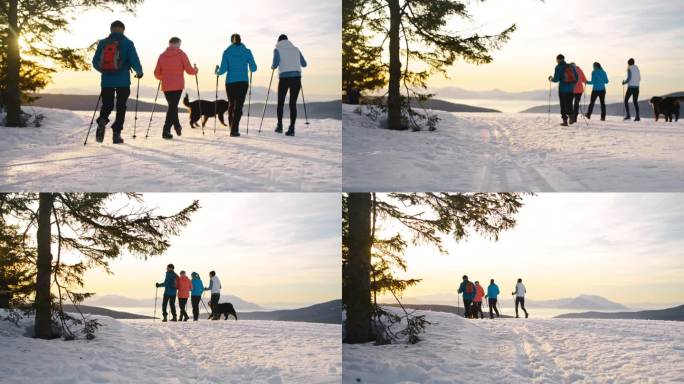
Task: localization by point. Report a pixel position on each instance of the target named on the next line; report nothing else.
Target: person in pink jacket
(477, 301)
(170, 67)
(578, 91)
(184, 286)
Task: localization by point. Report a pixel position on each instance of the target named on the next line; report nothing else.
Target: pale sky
(205, 28)
(607, 31)
(265, 248)
(626, 247)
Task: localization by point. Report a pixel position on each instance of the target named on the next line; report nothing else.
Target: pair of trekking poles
(270, 83)
(156, 295)
(581, 109)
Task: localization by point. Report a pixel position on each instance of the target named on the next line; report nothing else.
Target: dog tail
(186, 100)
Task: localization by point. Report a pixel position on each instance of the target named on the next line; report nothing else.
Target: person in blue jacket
(114, 58)
(467, 288)
(599, 79)
(196, 294)
(237, 62)
(169, 285)
(566, 77)
(492, 294)
(289, 61)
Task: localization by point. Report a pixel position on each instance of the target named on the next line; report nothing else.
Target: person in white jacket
(289, 61)
(519, 293)
(215, 288)
(633, 80)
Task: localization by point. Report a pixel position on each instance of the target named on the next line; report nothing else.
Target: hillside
(580, 302)
(123, 301)
(674, 314)
(89, 309)
(328, 312)
(440, 105)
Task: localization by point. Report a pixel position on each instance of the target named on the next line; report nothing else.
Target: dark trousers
(565, 99)
(467, 307)
(236, 100)
(214, 302)
(477, 309)
(293, 85)
(493, 308)
(181, 304)
(195, 300)
(172, 98)
(168, 299)
(108, 94)
(576, 98)
(634, 93)
(601, 95)
(521, 301)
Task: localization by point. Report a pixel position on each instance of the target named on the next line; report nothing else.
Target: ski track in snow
(493, 152)
(456, 350)
(142, 351)
(53, 157)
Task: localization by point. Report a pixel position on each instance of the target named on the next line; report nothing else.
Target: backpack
(569, 75)
(110, 60)
(470, 288)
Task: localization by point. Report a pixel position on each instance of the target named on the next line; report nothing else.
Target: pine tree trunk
(43, 311)
(359, 308)
(394, 94)
(13, 94)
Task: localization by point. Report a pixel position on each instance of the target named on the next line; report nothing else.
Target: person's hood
(237, 49)
(172, 51)
(284, 44)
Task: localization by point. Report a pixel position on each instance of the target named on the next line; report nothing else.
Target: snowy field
(494, 152)
(53, 158)
(142, 351)
(456, 350)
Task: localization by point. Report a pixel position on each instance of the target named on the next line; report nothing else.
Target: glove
(216, 70)
(550, 78)
(138, 75)
(196, 70)
(158, 285)
(624, 82)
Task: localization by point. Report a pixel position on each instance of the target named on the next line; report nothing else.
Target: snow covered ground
(456, 350)
(53, 158)
(494, 152)
(142, 351)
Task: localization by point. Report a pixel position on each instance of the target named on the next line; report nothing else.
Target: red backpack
(469, 288)
(569, 74)
(110, 60)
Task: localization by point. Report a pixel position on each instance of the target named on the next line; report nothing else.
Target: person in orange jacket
(170, 66)
(578, 92)
(477, 301)
(184, 286)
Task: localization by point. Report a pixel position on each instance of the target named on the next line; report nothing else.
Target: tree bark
(13, 93)
(359, 308)
(394, 92)
(43, 329)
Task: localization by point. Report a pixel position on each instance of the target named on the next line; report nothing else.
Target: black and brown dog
(205, 109)
(667, 106)
(224, 309)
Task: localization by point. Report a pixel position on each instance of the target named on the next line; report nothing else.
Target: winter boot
(117, 139)
(637, 118)
(290, 131)
(588, 116)
(235, 133)
(526, 315)
(565, 123)
(279, 128)
(627, 118)
(573, 120)
(174, 318)
(164, 319)
(166, 133)
(178, 130)
(100, 131)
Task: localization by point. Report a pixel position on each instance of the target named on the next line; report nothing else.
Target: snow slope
(142, 351)
(53, 158)
(513, 152)
(456, 350)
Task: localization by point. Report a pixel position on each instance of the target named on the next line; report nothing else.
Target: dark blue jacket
(170, 283)
(462, 289)
(129, 59)
(563, 87)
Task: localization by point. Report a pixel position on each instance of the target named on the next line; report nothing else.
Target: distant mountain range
(495, 94)
(590, 302)
(88, 309)
(612, 109)
(122, 301)
(675, 314)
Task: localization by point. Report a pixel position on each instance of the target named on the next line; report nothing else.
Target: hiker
(578, 91)
(492, 294)
(520, 297)
(633, 79)
(236, 62)
(599, 79)
(215, 288)
(468, 290)
(169, 285)
(114, 58)
(477, 300)
(184, 285)
(566, 77)
(197, 289)
(289, 61)
(169, 70)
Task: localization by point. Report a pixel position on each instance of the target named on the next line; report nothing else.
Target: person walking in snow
(578, 91)
(566, 77)
(114, 58)
(169, 70)
(169, 285)
(289, 61)
(467, 288)
(519, 293)
(492, 294)
(236, 62)
(197, 289)
(215, 288)
(477, 300)
(632, 81)
(184, 285)
(599, 79)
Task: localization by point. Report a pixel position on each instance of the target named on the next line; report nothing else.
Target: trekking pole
(622, 101)
(92, 119)
(154, 107)
(156, 294)
(135, 119)
(199, 102)
(548, 116)
(249, 103)
(306, 115)
(458, 304)
(263, 114)
(216, 103)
